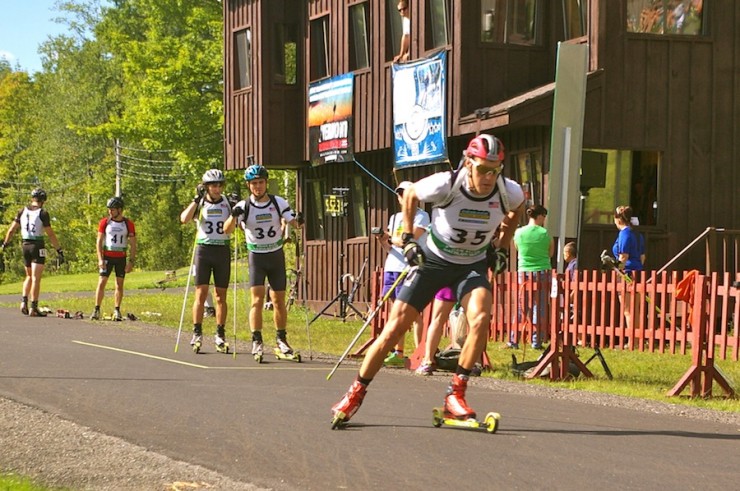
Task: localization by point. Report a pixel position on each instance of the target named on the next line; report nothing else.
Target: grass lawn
(636, 374)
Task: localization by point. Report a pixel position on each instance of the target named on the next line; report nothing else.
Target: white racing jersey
(262, 223)
(116, 236)
(212, 217)
(462, 230)
(32, 223)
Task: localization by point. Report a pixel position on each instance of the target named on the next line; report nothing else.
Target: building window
(285, 54)
(315, 204)
(393, 30)
(437, 24)
(665, 16)
(358, 195)
(359, 44)
(628, 178)
(575, 17)
(528, 166)
(243, 55)
(510, 21)
(320, 48)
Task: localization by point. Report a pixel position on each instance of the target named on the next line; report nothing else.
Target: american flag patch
(493, 204)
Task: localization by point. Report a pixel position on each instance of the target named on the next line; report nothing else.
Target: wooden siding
(677, 95)
(243, 132)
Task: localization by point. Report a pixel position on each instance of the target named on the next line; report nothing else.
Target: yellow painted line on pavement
(137, 353)
(269, 366)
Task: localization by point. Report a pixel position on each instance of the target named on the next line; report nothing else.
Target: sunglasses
(487, 170)
(402, 9)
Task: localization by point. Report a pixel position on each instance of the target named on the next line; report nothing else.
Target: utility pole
(118, 168)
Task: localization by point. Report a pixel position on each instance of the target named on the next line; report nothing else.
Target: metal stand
(600, 356)
(342, 297)
(336, 206)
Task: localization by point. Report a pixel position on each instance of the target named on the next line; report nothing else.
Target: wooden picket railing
(588, 311)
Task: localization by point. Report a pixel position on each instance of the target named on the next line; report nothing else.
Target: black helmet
(115, 202)
(38, 194)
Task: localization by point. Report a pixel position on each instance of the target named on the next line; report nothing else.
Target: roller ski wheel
(338, 421)
(294, 356)
(490, 422)
(196, 343)
(258, 357)
(223, 348)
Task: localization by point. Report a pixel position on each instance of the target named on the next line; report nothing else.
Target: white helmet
(213, 175)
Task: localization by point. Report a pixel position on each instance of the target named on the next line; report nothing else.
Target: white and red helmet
(486, 147)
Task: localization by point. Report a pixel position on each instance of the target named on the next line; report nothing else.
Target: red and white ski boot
(348, 405)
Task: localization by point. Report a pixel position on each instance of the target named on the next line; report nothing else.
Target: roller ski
(283, 351)
(457, 413)
(196, 342)
(257, 346)
(221, 345)
(348, 405)
(220, 340)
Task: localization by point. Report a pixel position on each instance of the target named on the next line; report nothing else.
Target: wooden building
(661, 124)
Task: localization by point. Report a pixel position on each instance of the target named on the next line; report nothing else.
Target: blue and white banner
(419, 119)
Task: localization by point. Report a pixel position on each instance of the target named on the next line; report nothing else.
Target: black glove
(299, 218)
(498, 259)
(413, 254)
(236, 211)
(60, 256)
(233, 199)
(200, 191)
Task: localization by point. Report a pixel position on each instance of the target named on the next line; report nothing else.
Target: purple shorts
(445, 294)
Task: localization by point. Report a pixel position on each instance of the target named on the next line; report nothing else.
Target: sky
(24, 25)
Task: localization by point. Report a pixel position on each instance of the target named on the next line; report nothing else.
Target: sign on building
(419, 118)
(330, 120)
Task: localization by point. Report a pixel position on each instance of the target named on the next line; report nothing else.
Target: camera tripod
(344, 298)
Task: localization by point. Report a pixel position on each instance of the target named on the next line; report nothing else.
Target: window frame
(502, 27)
(359, 35)
(314, 72)
(631, 21)
(279, 53)
(430, 41)
(393, 30)
(580, 7)
(315, 190)
(243, 64)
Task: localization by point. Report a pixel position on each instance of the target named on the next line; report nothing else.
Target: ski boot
(456, 411)
(95, 316)
(209, 312)
(283, 351)
(24, 308)
(221, 345)
(117, 315)
(257, 347)
(196, 342)
(343, 410)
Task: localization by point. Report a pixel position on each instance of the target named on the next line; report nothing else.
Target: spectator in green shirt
(535, 248)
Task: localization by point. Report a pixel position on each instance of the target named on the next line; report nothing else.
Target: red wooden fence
(588, 311)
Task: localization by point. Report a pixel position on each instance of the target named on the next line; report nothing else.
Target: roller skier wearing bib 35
(262, 216)
(212, 254)
(468, 206)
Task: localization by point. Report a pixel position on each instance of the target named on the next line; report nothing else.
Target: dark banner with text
(330, 120)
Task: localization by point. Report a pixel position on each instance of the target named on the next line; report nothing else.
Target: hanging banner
(330, 120)
(419, 120)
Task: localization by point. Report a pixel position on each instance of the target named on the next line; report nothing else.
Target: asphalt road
(269, 424)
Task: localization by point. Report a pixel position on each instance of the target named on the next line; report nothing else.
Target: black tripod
(600, 356)
(336, 206)
(342, 297)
